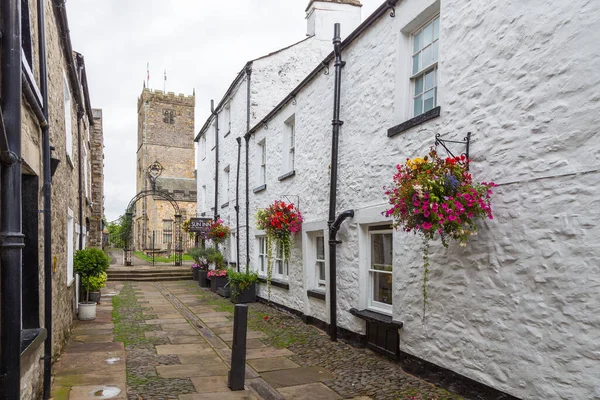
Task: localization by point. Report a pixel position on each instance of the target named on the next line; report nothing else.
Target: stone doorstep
(192, 370)
(272, 364)
(299, 376)
(249, 335)
(311, 391)
(184, 349)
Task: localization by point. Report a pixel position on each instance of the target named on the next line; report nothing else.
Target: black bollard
(237, 373)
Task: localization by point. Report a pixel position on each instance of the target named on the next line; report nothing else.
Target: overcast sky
(201, 44)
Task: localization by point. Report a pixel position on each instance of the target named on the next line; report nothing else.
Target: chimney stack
(321, 15)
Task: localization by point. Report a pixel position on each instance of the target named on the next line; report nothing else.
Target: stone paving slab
(157, 334)
(250, 344)
(272, 364)
(181, 339)
(202, 309)
(223, 324)
(184, 349)
(241, 395)
(211, 384)
(166, 321)
(268, 352)
(92, 331)
(98, 392)
(222, 329)
(93, 338)
(297, 376)
(205, 359)
(212, 314)
(92, 347)
(192, 370)
(176, 327)
(311, 391)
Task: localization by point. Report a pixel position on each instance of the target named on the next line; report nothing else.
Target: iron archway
(178, 251)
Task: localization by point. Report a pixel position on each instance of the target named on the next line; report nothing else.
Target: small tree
(90, 262)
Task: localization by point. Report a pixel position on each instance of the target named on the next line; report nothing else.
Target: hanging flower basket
(280, 221)
(219, 232)
(434, 197)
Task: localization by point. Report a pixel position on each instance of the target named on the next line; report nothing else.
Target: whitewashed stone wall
(518, 308)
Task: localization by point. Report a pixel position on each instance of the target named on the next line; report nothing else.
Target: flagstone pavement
(172, 340)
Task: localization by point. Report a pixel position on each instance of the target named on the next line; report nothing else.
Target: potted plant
(95, 283)
(243, 286)
(432, 196)
(203, 258)
(87, 263)
(280, 221)
(195, 271)
(218, 278)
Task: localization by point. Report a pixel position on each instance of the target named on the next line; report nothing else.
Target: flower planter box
(94, 297)
(224, 291)
(195, 274)
(246, 296)
(217, 282)
(203, 281)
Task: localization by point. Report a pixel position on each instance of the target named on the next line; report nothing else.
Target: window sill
(260, 188)
(411, 123)
(377, 317)
(225, 205)
(70, 282)
(69, 161)
(275, 282)
(317, 294)
(286, 176)
(31, 340)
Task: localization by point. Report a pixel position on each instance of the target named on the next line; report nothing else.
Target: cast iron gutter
(388, 4)
(47, 171)
(334, 226)
(247, 139)
(212, 108)
(12, 239)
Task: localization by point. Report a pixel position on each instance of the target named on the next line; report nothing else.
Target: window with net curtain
(424, 72)
(380, 268)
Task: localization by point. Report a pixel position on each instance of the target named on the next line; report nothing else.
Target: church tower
(165, 143)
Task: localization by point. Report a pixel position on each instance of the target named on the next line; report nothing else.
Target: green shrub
(90, 262)
(207, 256)
(95, 282)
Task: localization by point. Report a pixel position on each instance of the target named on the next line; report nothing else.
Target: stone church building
(165, 161)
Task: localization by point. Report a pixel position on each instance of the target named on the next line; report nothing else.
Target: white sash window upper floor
(424, 71)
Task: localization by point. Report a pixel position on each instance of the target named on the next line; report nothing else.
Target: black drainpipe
(237, 205)
(212, 109)
(247, 139)
(334, 226)
(47, 153)
(80, 158)
(12, 239)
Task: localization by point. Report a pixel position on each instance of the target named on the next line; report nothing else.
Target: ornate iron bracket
(287, 197)
(442, 142)
(294, 102)
(392, 6)
(326, 65)
(154, 171)
(266, 125)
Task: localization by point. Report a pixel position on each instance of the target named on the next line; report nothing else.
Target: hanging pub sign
(200, 225)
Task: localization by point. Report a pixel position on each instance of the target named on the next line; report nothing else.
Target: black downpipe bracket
(212, 109)
(332, 222)
(12, 239)
(47, 168)
(247, 139)
(237, 205)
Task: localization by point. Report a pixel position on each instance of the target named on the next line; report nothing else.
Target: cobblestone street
(176, 340)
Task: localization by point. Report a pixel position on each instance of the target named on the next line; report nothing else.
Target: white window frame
(68, 117)
(280, 263)
(86, 171)
(289, 144)
(203, 147)
(261, 255)
(320, 284)
(226, 176)
(204, 197)
(70, 245)
(372, 304)
(418, 78)
(233, 247)
(262, 170)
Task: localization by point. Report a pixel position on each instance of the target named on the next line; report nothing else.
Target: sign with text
(200, 225)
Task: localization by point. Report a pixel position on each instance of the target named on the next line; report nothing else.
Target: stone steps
(149, 275)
